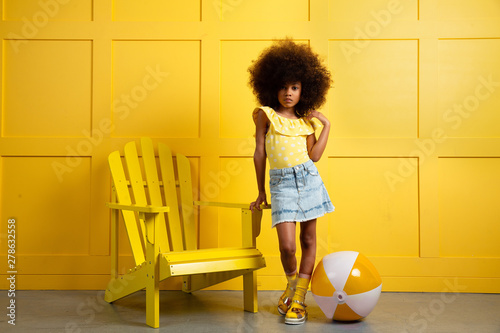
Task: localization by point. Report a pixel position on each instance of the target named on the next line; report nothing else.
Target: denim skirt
(298, 194)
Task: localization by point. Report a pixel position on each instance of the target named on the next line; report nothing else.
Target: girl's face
(289, 94)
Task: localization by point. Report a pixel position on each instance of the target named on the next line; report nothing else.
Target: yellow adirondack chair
(168, 232)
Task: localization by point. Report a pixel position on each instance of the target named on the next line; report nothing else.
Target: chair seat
(209, 261)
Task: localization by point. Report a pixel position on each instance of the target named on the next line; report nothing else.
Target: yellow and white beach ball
(346, 285)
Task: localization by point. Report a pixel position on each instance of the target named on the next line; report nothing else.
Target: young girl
(291, 82)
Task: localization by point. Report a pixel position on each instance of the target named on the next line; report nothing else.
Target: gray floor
(221, 311)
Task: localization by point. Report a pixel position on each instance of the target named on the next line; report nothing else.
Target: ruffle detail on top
(289, 127)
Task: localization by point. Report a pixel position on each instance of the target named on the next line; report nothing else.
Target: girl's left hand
(321, 117)
(261, 199)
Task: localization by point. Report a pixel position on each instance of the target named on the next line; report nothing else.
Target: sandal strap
(299, 302)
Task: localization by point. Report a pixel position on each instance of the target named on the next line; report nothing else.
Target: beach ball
(346, 285)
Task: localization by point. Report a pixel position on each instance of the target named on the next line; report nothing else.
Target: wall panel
(52, 218)
(157, 10)
(373, 97)
(469, 189)
(236, 96)
(468, 9)
(262, 10)
(40, 12)
(42, 83)
(369, 217)
(156, 89)
(468, 102)
(368, 10)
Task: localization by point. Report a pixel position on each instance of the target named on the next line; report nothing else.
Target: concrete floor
(221, 311)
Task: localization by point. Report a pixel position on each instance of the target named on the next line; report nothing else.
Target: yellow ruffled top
(286, 139)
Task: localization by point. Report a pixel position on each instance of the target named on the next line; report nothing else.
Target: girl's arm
(315, 147)
(259, 159)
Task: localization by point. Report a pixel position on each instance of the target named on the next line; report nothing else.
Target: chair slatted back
(170, 193)
(136, 180)
(120, 186)
(178, 236)
(187, 209)
(153, 186)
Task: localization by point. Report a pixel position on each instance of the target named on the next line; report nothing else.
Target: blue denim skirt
(298, 194)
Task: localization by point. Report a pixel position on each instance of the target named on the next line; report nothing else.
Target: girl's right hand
(261, 199)
(321, 117)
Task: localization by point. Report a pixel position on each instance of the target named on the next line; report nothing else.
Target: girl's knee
(288, 250)
(308, 239)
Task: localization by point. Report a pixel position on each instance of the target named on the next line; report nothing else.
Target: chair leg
(153, 302)
(250, 291)
(153, 276)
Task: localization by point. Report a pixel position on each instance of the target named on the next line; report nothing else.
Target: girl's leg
(286, 239)
(297, 313)
(308, 245)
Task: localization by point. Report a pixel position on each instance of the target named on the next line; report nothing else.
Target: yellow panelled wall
(412, 164)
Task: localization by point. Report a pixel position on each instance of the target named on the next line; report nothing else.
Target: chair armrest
(220, 204)
(250, 220)
(227, 204)
(262, 206)
(140, 209)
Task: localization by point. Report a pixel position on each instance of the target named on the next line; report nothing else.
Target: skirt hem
(303, 220)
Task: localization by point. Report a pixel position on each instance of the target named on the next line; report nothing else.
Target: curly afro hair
(286, 62)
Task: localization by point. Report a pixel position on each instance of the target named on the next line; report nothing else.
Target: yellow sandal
(297, 313)
(286, 299)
